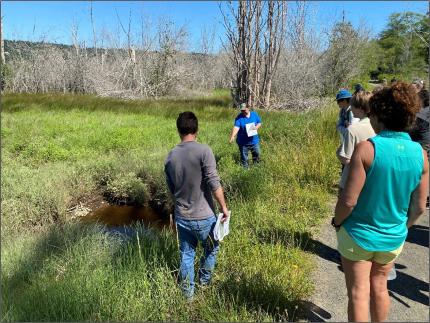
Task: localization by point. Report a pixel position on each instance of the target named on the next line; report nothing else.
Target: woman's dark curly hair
(395, 106)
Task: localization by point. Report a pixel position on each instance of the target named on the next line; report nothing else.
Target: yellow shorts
(352, 251)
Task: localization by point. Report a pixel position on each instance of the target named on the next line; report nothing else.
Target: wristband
(334, 224)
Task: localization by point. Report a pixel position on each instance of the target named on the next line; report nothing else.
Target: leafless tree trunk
(276, 27)
(93, 28)
(257, 59)
(130, 65)
(3, 60)
(75, 41)
(242, 80)
(254, 62)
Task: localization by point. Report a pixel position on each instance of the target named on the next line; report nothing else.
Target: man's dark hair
(187, 123)
(358, 88)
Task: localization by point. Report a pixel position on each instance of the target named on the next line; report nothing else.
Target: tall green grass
(60, 150)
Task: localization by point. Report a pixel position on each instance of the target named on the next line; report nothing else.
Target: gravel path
(409, 292)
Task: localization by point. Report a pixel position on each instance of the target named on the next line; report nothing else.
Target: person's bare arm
(361, 160)
(219, 197)
(417, 205)
(234, 132)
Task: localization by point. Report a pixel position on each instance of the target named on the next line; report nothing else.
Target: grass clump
(61, 150)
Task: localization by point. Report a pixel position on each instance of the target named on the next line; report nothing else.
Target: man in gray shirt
(192, 178)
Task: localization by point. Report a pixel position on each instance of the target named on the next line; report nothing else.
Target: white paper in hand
(250, 129)
(221, 228)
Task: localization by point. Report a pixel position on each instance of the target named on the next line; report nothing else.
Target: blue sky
(52, 20)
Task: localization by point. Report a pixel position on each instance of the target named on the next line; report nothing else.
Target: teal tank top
(378, 221)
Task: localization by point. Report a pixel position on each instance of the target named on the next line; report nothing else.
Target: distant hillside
(21, 48)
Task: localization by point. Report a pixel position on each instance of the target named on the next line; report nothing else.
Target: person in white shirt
(355, 133)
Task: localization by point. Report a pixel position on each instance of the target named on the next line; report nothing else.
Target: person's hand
(335, 223)
(231, 139)
(225, 214)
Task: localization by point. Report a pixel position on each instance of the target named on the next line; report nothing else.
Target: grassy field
(59, 151)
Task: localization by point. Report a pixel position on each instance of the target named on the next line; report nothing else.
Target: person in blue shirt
(245, 127)
(346, 118)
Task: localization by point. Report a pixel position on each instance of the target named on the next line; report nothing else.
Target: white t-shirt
(357, 132)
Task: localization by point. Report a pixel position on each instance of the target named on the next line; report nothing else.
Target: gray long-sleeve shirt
(191, 175)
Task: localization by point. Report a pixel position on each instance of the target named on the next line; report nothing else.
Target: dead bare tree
(276, 23)
(202, 61)
(256, 34)
(93, 28)
(160, 63)
(3, 60)
(75, 42)
(298, 83)
(343, 58)
(76, 82)
(130, 64)
(170, 42)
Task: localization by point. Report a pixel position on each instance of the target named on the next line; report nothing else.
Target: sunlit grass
(59, 150)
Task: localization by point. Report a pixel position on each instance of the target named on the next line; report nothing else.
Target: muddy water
(121, 215)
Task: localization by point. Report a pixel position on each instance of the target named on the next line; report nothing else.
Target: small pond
(121, 217)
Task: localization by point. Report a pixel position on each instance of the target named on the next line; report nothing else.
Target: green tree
(372, 60)
(405, 44)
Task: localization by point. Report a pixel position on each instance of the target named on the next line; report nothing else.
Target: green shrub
(127, 188)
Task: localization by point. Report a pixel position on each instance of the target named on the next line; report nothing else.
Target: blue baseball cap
(343, 94)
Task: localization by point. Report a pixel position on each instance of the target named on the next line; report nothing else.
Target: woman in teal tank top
(384, 195)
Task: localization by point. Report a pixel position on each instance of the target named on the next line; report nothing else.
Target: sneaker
(392, 274)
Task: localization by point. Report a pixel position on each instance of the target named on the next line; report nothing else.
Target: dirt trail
(409, 292)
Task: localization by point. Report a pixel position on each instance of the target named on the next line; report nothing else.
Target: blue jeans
(255, 151)
(190, 232)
